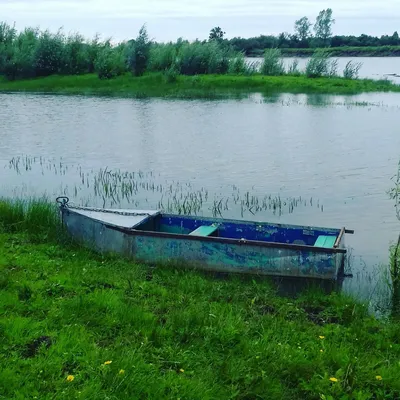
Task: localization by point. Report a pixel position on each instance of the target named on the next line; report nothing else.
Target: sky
(169, 19)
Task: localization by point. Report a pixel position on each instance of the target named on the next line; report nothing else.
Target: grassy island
(156, 85)
(43, 62)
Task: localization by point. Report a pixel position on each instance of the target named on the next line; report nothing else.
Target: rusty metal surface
(205, 253)
(243, 258)
(249, 230)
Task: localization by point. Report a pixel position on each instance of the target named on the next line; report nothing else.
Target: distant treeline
(257, 45)
(307, 35)
(345, 51)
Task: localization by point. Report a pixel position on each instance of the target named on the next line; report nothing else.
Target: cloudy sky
(191, 19)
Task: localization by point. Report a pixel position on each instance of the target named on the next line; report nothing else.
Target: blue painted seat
(204, 230)
(325, 241)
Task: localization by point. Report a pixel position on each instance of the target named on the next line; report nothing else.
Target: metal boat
(216, 244)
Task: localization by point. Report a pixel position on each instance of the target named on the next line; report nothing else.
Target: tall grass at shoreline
(34, 217)
(394, 194)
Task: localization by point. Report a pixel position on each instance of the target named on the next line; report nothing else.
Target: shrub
(49, 55)
(139, 54)
(203, 58)
(294, 68)
(110, 62)
(237, 64)
(21, 60)
(162, 56)
(318, 64)
(351, 70)
(192, 59)
(36, 53)
(333, 68)
(272, 64)
(7, 35)
(171, 74)
(93, 50)
(76, 56)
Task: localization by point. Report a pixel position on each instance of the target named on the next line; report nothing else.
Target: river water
(301, 159)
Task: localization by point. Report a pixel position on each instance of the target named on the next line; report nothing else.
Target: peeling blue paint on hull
(227, 245)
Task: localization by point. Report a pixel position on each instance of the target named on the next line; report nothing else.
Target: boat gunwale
(245, 221)
(255, 243)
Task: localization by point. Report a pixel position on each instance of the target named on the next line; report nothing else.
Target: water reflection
(324, 100)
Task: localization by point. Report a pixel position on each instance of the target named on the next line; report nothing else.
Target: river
(301, 159)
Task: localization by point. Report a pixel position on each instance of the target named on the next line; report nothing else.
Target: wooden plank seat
(204, 230)
(325, 241)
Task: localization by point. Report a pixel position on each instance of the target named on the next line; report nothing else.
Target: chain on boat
(64, 203)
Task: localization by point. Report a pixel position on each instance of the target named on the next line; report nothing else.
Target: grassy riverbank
(157, 85)
(344, 51)
(78, 325)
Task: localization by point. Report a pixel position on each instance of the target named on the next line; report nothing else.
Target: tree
(110, 62)
(21, 62)
(140, 52)
(302, 28)
(216, 33)
(7, 36)
(323, 26)
(283, 40)
(49, 54)
(395, 40)
(93, 49)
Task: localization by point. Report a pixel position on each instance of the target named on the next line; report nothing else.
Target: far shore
(382, 51)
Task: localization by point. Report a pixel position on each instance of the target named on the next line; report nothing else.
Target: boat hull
(207, 253)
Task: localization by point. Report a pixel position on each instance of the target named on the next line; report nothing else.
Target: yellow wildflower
(333, 379)
(321, 351)
(70, 378)
(181, 370)
(107, 362)
(322, 337)
(121, 371)
(378, 377)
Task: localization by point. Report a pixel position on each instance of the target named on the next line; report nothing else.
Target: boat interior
(248, 230)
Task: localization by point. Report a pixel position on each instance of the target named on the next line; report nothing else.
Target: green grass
(34, 217)
(349, 51)
(155, 85)
(174, 333)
